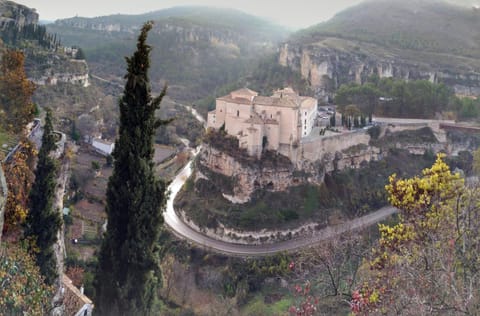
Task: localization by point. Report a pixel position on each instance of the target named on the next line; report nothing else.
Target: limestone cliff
(17, 13)
(326, 66)
(408, 39)
(238, 176)
(51, 68)
(183, 33)
(242, 178)
(46, 62)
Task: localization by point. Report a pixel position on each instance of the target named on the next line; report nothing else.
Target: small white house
(103, 147)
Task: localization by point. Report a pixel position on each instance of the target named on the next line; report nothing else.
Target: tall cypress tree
(43, 221)
(128, 272)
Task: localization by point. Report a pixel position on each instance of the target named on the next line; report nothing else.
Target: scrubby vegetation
(420, 136)
(23, 289)
(197, 48)
(345, 193)
(410, 25)
(399, 98)
(427, 261)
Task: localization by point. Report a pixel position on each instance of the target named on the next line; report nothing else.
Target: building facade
(275, 123)
(103, 147)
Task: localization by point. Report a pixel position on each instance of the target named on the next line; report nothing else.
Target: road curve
(184, 231)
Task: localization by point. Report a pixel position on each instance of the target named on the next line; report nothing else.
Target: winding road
(184, 231)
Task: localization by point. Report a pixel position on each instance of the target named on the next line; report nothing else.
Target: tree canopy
(128, 271)
(43, 221)
(398, 98)
(23, 291)
(427, 263)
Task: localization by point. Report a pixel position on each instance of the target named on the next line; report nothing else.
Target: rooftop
(245, 93)
(229, 98)
(73, 299)
(102, 141)
(275, 101)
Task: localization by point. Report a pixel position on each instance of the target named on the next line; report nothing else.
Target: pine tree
(128, 272)
(80, 54)
(43, 221)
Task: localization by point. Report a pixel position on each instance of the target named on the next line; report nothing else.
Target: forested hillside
(426, 39)
(424, 25)
(196, 49)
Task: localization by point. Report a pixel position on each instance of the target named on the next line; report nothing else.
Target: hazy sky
(294, 13)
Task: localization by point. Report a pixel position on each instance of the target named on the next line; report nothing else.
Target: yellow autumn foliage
(425, 260)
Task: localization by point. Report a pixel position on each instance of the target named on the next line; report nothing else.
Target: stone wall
(261, 237)
(315, 148)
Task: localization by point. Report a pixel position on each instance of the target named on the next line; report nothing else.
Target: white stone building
(277, 122)
(103, 147)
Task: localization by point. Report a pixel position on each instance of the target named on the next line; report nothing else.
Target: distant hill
(424, 25)
(196, 49)
(465, 3)
(211, 17)
(416, 39)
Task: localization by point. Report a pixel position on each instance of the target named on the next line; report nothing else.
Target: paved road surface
(184, 231)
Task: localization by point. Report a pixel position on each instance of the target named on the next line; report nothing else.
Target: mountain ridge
(195, 48)
(409, 40)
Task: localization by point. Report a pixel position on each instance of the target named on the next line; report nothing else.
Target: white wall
(102, 147)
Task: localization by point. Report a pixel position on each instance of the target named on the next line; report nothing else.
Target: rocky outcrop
(327, 66)
(16, 13)
(177, 29)
(96, 25)
(51, 68)
(238, 178)
(245, 178)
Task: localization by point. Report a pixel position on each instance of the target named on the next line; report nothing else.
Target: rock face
(246, 178)
(316, 156)
(17, 13)
(190, 33)
(50, 68)
(327, 67)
